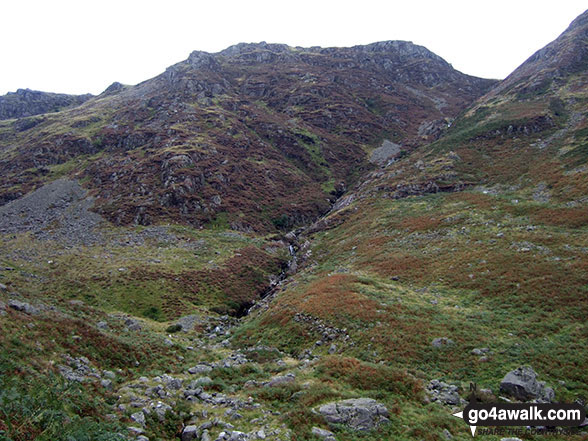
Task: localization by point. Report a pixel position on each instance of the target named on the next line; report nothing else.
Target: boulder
(132, 324)
(442, 341)
(444, 393)
(23, 307)
(324, 434)
(189, 433)
(200, 369)
(280, 380)
(138, 417)
(522, 384)
(357, 413)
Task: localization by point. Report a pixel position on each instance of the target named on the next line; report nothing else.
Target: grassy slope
(476, 268)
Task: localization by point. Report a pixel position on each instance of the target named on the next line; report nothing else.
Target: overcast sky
(83, 46)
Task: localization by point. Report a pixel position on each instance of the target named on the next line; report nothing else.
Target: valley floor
(404, 302)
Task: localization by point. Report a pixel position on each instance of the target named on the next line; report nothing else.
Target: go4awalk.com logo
(520, 414)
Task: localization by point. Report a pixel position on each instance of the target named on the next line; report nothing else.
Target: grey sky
(83, 46)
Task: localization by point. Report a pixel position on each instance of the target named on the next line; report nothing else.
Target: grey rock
(205, 436)
(168, 342)
(59, 210)
(442, 341)
(207, 425)
(102, 325)
(23, 307)
(3, 287)
(280, 380)
(357, 414)
(139, 418)
(132, 324)
(142, 438)
(480, 351)
(187, 322)
(189, 433)
(136, 430)
(333, 348)
(238, 436)
(202, 381)
(69, 374)
(447, 434)
(173, 383)
(386, 152)
(522, 384)
(109, 374)
(444, 393)
(322, 433)
(106, 384)
(200, 369)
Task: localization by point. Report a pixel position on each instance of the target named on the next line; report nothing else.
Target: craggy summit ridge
(26, 102)
(257, 136)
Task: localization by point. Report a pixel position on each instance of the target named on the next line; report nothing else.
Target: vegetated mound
(256, 137)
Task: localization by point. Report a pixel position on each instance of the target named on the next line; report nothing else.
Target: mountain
(219, 136)
(285, 243)
(26, 102)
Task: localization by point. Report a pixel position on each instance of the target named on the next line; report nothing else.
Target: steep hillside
(256, 136)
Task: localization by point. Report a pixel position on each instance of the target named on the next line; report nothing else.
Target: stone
(173, 383)
(189, 433)
(522, 384)
(202, 381)
(142, 438)
(238, 436)
(3, 287)
(168, 342)
(205, 436)
(188, 322)
(357, 413)
(23, 307)
(138, 417)
(280, 380)
(102, 325)
(109, 374)
(387, 151)
(199, 369)
(444, 393)
(136, 430)
(480, 351)
(333, 349)
(106, 384)
(322, 433)
(442, 341)
(132, 324)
